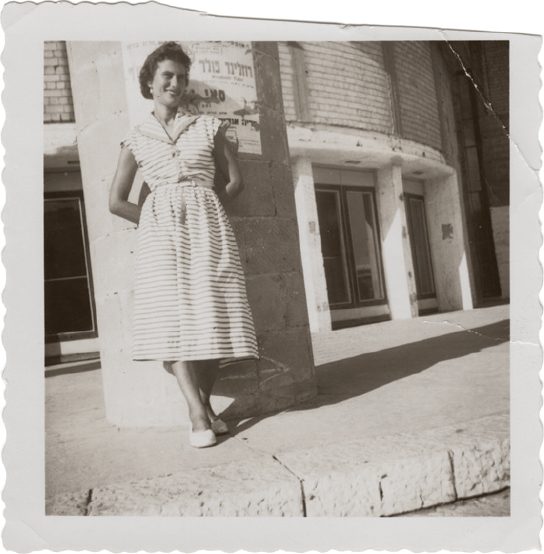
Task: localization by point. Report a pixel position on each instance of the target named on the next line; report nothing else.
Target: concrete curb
(381, 476)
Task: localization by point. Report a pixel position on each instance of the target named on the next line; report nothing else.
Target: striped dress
(190, 298)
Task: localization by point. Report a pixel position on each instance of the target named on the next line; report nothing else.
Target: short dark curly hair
(166, 51)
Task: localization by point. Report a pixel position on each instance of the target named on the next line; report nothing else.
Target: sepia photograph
(316, 230)
(277, 280)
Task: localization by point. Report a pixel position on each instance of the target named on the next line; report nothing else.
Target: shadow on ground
(352, 377)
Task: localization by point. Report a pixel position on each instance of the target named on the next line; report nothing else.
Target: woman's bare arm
(228, 166)
(120, 188)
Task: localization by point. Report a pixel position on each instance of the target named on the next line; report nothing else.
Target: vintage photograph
(270, 284)
(276, 278)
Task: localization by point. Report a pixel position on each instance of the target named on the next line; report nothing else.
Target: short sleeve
(130, 142)
(214, 125)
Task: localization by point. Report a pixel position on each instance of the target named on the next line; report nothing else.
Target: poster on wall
(221, 83)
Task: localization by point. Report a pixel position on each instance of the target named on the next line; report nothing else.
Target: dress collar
(153, 128)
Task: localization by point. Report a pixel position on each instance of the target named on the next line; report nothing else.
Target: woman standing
(190, 305)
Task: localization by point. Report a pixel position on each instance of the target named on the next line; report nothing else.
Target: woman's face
(168, 85)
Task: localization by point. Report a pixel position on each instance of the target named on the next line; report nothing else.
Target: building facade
(399, 155)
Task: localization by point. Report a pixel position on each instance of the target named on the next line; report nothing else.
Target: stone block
(237, 224)
(373, 477)
(271, 245)
(418, 482)
(267, 74)
(267, 296)
(481, 468)
(67, 504)
(274, 135)
(243, 406)
(237, 378)
(286, 358)
(480, 453)
(284, 190)
(250, 488)
(257, 198)
(284, 397)
(92, 146)
(113, 262)
(296, 308)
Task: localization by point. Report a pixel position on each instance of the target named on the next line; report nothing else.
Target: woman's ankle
(200, 422)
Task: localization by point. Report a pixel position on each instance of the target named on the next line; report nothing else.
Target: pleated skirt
(190, 300)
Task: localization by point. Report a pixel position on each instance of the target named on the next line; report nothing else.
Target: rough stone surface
(372, 477)
(480, 452)
(67, 504)
(400, 473)
(247, 488)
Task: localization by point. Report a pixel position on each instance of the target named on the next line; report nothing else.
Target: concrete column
(396, 254)
(312, 258)
(447, 242)
(141, 394)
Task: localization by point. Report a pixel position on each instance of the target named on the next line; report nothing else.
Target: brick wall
(58, 105)
(416, 92)
(346, 82)
(444, 84)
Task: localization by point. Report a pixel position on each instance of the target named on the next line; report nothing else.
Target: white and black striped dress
(190, 298)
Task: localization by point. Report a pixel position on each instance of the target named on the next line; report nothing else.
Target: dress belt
(183, 184)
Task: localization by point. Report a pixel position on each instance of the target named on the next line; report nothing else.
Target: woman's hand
(120, 188)
(227, 164)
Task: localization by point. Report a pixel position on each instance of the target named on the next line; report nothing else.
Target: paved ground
(412, 379)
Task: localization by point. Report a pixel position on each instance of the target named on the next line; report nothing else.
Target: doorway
(416, 219)
(350, 246)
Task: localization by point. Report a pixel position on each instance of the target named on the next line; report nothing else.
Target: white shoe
(201, 439)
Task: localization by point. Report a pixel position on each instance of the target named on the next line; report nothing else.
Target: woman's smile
(169, 83)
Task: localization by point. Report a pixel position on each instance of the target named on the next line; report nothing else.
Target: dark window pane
(63, 239)
(332, 246)
(67, 306)
(365, 245)
(420, 244)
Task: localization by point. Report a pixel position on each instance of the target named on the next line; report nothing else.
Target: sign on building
(222, 84)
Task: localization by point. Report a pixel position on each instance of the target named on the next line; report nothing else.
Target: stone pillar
(396, 253)
(447, 242)
(312, 258)
(142, 394)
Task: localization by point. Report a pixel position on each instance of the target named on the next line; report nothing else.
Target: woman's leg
(187, 374)
(207, 374)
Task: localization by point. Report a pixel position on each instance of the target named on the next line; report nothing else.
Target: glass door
(421, 253)
(351, 254)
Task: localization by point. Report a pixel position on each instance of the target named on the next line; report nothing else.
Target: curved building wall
(416, 91)
(353, 85)
(364, 128)
(346, 84)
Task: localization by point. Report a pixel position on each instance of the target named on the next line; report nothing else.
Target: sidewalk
(410, 414)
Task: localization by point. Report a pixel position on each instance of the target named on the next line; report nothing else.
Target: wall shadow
(358, 375)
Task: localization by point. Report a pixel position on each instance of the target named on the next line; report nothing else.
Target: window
(350, 246)
(69, 304)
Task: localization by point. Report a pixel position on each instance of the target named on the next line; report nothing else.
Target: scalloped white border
(26, 26)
